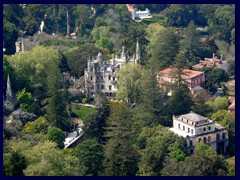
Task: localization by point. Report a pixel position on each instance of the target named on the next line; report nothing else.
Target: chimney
(213, 55)
(221, 59)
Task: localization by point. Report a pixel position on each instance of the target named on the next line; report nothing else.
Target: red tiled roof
(232, 106)
(191, 73)
(185, 72)
(198, 66)
(130, 7)
(209, 62)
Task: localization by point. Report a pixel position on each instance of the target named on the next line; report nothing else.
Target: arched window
(205, 140)
(209, 139)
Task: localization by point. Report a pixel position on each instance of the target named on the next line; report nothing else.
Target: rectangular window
(113, 78)
(91, 78)
(102, 86)
(109, 77)
(204, 129)
(184, 128)
(178, 126)
(199, 139)
(209, 128)
(188, 130)
(97, 86)
(199, 130)
(110, 88)
(191, 131)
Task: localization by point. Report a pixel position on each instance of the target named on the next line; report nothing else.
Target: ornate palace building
(101, 76)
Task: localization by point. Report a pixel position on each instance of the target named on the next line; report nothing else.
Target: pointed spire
(89, 63)
(99, 57)
(138, 60)
(9, 94)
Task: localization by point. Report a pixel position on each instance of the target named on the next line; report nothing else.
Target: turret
(221, 59)
(99, 57)
(88, 65)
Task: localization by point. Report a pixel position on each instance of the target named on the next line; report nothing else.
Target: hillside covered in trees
(128, 135)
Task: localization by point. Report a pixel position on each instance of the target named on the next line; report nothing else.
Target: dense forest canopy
(128, 135)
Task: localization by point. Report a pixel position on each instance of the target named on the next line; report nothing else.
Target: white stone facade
(196, 128)
(141, 14)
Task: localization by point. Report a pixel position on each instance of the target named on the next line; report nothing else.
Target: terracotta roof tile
(232, 106)
(185, 73)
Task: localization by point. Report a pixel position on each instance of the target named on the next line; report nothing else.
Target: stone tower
(99, 57)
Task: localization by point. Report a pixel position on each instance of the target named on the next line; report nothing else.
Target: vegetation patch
(82, 112)
(230, 85)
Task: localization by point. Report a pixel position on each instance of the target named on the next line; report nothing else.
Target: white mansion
(196, 128)
(101, 76)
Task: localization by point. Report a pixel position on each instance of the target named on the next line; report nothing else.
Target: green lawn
(82, 111)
